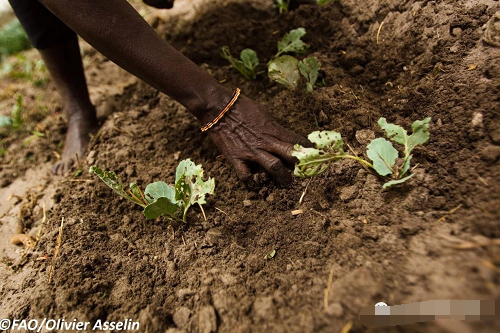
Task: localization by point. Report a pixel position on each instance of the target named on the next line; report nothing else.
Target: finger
(291, 137)
(242, 170)
(274, 166)
(283, 150)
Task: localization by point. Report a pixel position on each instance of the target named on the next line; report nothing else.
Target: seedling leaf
(282, 5)
(397, 134)
(284, 71)
(292, 42)
(327, 139)
(271, 255)
(246, 66)
(397, 181)
(158, 190)
(383, 155)
(113, 181)
(250, 59)
(309, 68)
(189, 185)
(162, 206)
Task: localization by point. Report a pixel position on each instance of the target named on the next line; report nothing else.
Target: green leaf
(250, 59)
(245, 67)
(5, 121)
(114, 182)
(397, 134)
(397, 181)
(324, 2)
(310, 162)
(313, 161)
(158, 190)
(284, 71)
(189, 185)
(420, 133)
(383, 155)
(162, 206)
(309, 68)
(282, 5)
(292, 42)
(270, 255)
(327, 139)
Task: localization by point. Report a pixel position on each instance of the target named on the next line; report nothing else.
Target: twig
(327, 289)
(347, 327)
(223, 212)
(378, 31)
(183, 241)
(203, 211)
(449, 213)
(42, 224)
(56, 251)
(304, 193)
(481, 179)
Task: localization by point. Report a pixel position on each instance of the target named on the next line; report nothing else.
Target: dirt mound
(400, 60)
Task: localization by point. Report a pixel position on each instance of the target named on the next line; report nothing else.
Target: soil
(431, 238)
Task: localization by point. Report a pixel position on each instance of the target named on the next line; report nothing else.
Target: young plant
(284, 71)
(282, 5)
(324, 2)
(292, 42)
(161, 199)
(248, 63)
(13, 39)
(309, 68)
(15, 121)
(330, 148)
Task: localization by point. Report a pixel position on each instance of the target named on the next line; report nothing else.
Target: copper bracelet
(223, 112)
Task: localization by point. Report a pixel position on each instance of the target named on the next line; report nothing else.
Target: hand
(160, 4)
(247, 133)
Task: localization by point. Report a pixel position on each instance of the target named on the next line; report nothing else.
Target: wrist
(214, 100)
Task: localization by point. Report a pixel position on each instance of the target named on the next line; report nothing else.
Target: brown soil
(398, 246)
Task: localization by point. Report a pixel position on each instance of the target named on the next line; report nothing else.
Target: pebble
(495, 136)
(247, 203)
(335, 310)
(207, 320)
(348, 193)
(490, 153)
(181, 316)
(213, 236)
(91, 157)
(477, 119)
(365, 136)
(184, 293)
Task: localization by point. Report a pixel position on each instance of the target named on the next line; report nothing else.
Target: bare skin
(246, 134)
(64, 63)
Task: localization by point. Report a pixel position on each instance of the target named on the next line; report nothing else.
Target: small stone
(365, 136)
(185, 293)
(495, 136)
(370, 232)
(91, 156)
(456, 32)
(247, 203)
(490, 153)
(207, 320)
(477, 119)
(348, 193)
(270, 197)
(408, 229)
(439, 122)
(181, 316)
(335, 310)
(126, 219)
(213, 236)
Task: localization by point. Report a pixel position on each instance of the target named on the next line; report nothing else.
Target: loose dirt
(427, 239)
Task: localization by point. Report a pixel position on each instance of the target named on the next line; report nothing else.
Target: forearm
(116, 30)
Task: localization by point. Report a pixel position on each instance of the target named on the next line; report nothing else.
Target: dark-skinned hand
(247, 133)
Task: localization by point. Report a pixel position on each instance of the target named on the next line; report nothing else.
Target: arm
(116, 30)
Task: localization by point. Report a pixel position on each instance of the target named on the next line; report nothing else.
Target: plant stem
(333, 157)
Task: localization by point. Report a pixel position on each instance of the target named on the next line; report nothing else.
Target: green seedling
(161, 199)
(282, 5)
(324, 2)
(21, 67)
(330, 148)
(309, 68)
(284, 71)
(248, 63)
(15, 121)
(292, 42)
(33, 137)
(270, 255)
